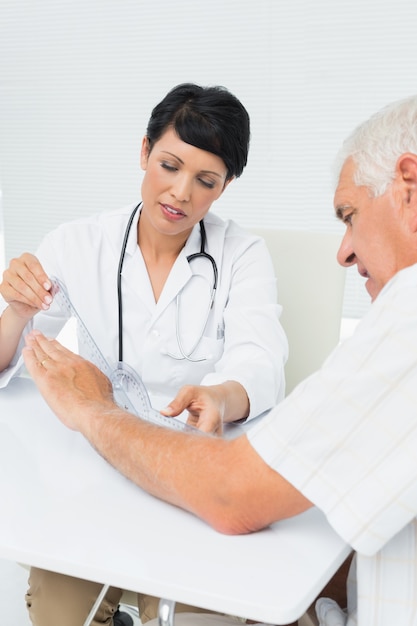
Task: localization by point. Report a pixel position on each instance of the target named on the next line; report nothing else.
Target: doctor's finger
(25, 279)
(207, 422)
(29, 269)
(181, 402)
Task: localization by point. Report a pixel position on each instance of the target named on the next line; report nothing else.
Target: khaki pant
(59, 599)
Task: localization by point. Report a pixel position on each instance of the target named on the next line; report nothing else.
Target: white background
(78, 80)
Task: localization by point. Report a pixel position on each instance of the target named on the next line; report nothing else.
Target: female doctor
(184, 298)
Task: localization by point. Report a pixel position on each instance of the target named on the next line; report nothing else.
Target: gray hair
(376, 145)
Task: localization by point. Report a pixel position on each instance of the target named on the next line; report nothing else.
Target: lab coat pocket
(195, 364)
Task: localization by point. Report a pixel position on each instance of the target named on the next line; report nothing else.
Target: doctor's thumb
(170, 411)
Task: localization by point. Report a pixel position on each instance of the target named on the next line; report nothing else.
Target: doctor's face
(180, 183)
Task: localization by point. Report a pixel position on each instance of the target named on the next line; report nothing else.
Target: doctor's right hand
(25, 287)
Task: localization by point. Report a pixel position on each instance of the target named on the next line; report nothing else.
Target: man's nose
(346, 255)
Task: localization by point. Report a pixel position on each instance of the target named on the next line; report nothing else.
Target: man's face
(378, 237)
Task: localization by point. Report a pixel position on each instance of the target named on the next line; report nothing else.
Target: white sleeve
(347, 436)
(256, 347)
(50, 322)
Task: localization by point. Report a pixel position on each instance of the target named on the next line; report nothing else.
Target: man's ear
(406, 170)
(406, 176)
(144, 153)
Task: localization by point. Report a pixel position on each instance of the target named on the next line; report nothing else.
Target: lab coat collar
(181, 271)
(192, 244)
(135, 272)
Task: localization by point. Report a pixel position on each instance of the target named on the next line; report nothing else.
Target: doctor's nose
(181, 188)
(346, 255)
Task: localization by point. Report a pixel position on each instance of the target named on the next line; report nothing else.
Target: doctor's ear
(144, 152)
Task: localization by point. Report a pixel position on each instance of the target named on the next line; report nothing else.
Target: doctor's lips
(172, 210)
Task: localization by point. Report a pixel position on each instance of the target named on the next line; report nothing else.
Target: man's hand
(70, 384)
(25, 286)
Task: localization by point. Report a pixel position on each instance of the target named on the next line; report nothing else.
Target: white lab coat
(243, 339)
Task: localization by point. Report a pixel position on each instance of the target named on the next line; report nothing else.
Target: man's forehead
(346, 189)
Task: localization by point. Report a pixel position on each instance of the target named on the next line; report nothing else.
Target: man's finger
(45, 347)
(32, 362)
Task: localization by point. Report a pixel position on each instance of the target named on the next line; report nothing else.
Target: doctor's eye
(210, 184)
(168, 166)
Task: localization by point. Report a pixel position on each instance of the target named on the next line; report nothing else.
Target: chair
(310, 285)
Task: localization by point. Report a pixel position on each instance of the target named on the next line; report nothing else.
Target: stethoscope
(201, 254)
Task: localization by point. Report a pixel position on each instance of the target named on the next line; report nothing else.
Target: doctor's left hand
(209, 407)
(204, 406)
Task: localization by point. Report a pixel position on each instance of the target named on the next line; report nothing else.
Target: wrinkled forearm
(157, 459)
(221, 481)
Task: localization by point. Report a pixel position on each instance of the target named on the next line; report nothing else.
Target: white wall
(78, 79)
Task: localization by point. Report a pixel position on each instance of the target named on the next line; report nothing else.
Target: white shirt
(243, 340)
(347, 439)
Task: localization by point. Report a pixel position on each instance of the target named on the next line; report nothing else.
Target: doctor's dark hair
(209, 118)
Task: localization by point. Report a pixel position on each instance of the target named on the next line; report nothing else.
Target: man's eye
(347, 219)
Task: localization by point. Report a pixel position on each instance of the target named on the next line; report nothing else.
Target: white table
(61, 504)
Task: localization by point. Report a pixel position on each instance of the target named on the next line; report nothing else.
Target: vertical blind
(78, 79)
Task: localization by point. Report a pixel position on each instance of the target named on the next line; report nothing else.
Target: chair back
(310, 286)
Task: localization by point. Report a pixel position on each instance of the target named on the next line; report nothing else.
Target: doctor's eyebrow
(182, 163)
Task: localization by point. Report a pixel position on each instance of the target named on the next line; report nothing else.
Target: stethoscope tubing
(201, 254)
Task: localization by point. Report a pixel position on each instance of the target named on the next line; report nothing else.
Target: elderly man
(345, 440)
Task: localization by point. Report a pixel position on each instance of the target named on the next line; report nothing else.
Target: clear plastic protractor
(133, 389)
(128, 389)
(90, 349)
